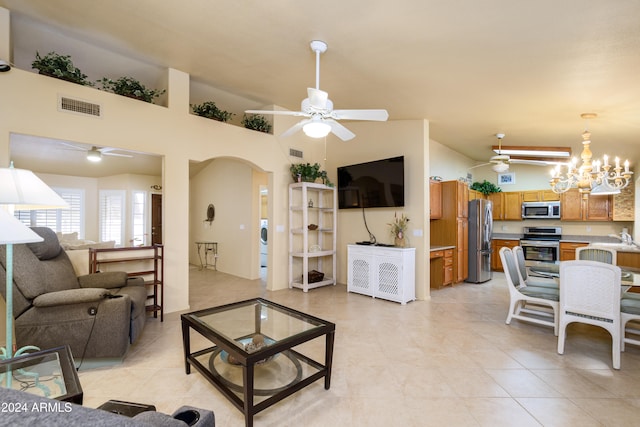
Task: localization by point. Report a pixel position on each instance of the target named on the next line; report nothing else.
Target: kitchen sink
(623, 247)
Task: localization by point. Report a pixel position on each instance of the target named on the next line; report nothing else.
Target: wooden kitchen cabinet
(441, 268)
(496, 245)
(452, 228)
(507, 206)
(568, 250)
(474, 194)
(435, 199)
(628, 259)
(540, 196)
(573, 207)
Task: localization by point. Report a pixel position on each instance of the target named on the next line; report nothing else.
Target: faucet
(625, 238)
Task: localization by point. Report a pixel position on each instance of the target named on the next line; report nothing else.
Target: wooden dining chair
(528, 303)
(590, 293)
(596, 254)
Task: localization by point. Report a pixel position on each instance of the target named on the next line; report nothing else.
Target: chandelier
(591, 174)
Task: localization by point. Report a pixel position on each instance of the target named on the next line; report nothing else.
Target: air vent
(295, 153)
(77, 106)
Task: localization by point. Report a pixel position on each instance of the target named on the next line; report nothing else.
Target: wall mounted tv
(377, 184)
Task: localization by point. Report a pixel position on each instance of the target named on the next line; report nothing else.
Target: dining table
(629, 276)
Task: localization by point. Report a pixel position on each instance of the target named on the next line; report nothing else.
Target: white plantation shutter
(60, 220)
(139, 213)
(112, 204)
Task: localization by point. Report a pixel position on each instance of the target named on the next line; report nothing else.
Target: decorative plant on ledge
(398, 229)
(256, 122)
(61, 67)
(209, 110)
(485, 187)
(131, 88)
(306, 172)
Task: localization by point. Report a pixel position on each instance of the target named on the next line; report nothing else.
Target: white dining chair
(590, 293)
(606, 255)
(528, 303)
(629, 311)
(523, 270)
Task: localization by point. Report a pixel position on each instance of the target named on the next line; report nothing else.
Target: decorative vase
(400, 241)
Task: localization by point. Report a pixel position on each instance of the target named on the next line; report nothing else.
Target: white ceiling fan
(94, 154)
(501, 161)
(317, 108)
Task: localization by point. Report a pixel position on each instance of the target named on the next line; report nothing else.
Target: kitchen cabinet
(441, 263)
(452, 228)
(496, 245)
(435, 199)
(540, 196)
(568, 250)
(507, 206)
(312, 235)
(628, 259)
(382, 272)
(574, 207)
(474, 194)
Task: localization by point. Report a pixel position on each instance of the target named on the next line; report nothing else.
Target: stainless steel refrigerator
(480, 229)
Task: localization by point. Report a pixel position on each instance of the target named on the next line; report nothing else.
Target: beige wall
(377, 141)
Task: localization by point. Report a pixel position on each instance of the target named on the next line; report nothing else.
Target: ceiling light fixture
(590, 174)
(94, 155)
(316, 128)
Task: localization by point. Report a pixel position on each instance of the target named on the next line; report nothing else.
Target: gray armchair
(97, 315)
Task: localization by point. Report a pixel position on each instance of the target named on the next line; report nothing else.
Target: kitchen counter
(441, 248)
(506, 236)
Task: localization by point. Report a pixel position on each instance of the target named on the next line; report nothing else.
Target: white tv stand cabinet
(382, 272)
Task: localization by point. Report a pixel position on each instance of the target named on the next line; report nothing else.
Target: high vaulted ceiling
(472, 68)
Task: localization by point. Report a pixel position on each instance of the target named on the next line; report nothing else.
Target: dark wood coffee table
(253, 361)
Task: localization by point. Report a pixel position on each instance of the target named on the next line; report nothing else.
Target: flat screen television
(377, 184)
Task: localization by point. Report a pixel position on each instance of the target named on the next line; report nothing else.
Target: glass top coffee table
(253, 361)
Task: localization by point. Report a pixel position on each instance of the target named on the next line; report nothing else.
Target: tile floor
(450, 361)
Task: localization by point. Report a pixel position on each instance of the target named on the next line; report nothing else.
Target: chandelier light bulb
(591, 174)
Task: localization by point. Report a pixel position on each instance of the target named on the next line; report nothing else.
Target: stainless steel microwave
(541, 210)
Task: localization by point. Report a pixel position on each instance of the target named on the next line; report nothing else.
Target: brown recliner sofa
(97, 315)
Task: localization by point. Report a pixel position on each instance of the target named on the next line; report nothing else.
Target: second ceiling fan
(317, 108)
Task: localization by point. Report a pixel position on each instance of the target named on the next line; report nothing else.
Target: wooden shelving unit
(139, 261)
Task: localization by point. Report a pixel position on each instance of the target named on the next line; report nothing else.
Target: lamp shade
(13, 231)
(24, 190)
(316, 128)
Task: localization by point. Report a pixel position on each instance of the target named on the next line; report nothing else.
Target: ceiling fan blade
(481, 164)
(278, 112)
(317, 98)
(373, 115)
(75, 147)
(109, 153)
(340, 131)
(295, 128)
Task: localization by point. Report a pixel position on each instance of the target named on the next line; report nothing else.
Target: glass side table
(48, 373)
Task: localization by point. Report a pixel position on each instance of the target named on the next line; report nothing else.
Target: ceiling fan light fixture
(94, 155)
(316, 129)
(500, 167)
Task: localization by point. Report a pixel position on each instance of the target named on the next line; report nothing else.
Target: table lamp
(23, 190)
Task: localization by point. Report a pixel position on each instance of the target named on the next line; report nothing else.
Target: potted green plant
(305, 172)
(256, 122)
(131, 88)
(209, 110)
(485, 187)
(61, 67)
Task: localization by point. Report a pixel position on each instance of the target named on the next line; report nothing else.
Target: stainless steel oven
(541, 245)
